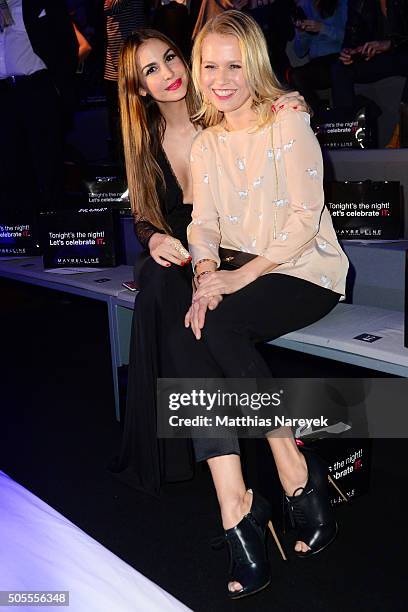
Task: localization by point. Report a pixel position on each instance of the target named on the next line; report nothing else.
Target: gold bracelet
(198, 276)
(203, 260)
(200, 261)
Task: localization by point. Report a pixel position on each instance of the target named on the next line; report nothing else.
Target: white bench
(333, 337)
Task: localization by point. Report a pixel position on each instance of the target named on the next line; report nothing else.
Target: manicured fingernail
(183, 263)
(281, 106)
(168, 264)
(273, 107)
(295, 107)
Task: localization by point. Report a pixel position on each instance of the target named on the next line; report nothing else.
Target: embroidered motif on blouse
(233, 218)
(312, 172)
(241, 163)
(280, 202)
(326, 282)
(288, 146)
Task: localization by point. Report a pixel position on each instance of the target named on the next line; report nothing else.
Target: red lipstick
(175, 85)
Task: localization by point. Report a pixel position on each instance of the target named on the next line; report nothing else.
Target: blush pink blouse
(261, 192)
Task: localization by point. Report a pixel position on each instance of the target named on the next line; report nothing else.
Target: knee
(218, 326)
(151, 273)
(213, 325)
(156, 278)
(180, 338)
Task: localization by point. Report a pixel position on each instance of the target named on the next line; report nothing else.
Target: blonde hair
(262, 82)
(143, 128)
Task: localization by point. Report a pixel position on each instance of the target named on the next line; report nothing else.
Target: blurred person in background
(171, 17)
(211, 8)
(78, 11)
(38, 59)
(319, 36)
(274, 19)
(375, 46)
(122, 17)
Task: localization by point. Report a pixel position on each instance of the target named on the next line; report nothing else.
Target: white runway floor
(41, 550)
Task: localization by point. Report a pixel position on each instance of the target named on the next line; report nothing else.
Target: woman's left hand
(374, 47)
(292, 99)
(195, 316)
(310, 25)
(222, 282)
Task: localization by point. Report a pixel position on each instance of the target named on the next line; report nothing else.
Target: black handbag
(234, 259)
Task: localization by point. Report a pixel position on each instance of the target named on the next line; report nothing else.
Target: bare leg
(291, 465)
(235, 501)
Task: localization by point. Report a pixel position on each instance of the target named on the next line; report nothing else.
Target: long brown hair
(262, 82)
(143, 128)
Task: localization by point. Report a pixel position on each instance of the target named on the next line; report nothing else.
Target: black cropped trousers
(269, 307)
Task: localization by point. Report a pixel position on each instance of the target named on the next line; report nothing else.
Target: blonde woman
(157, 101)
(258, 205)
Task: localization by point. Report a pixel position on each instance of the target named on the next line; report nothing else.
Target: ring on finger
(179, 247)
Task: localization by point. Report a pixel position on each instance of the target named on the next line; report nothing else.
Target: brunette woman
(157, 101)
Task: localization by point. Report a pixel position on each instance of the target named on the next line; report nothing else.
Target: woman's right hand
(195, 316)
(374, 47)
(346, 56)
(311, 25)
(166, 250)
(291, 99)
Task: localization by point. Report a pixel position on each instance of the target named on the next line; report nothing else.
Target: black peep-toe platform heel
(247, 544)
(311, 512)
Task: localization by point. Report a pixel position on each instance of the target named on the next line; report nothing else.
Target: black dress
(146, 462)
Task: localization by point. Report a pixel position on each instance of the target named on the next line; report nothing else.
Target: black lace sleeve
(169, 195)
(144, 230)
